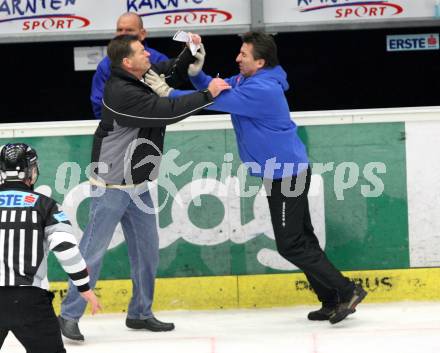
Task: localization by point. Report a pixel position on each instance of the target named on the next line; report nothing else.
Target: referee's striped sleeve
(65, 248)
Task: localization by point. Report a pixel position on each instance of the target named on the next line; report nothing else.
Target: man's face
(130, 25)
(139, 61)
(246, 62)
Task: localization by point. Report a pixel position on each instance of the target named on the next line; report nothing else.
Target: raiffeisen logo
(41, 15)
(352, 9)
(174, 14)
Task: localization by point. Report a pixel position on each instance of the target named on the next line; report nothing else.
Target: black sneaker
(151, 324)
(322, 314)
(70, 329)
(348, 307)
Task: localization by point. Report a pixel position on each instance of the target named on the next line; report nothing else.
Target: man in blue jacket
(128, 23)
(269, 145)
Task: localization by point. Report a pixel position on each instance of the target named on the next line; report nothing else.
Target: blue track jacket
(103, 73)
(261, 118)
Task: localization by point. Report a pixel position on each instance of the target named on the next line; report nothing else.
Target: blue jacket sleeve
(201, 81)
(98, 83)
(176, 93)
(249, 99)
(156, 56)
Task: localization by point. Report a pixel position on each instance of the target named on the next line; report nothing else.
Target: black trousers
(28, 313)
(296, 240)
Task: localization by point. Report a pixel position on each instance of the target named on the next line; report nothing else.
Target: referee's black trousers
(28, 313)
(296, 240)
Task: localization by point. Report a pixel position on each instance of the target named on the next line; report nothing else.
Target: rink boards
(259, 291)
(375, 200)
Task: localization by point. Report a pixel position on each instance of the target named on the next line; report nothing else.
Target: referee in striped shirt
(31, 224)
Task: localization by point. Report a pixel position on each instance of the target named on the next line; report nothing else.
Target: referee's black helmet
(18, 162)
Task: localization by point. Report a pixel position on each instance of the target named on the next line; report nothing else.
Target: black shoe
(151, 324)
(349, 306)
(322, 314)
(70, 329)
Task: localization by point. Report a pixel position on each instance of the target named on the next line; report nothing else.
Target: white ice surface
(375, 328)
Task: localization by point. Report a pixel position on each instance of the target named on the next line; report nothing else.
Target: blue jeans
(140, 233)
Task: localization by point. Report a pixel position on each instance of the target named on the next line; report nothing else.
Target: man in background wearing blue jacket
(269, 145)
(128, 23)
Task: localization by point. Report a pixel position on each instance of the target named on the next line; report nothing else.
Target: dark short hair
(120, 48)
(264, 47)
